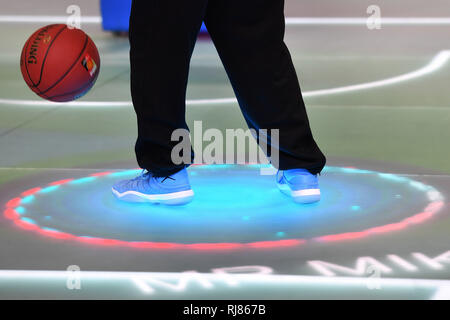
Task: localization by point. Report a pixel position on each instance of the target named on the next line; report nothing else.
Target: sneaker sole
(301, 196)
(173, 199)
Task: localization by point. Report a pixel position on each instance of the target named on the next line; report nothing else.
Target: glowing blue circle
(232, 204)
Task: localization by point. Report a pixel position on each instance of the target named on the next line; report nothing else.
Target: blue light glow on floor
(232, 204)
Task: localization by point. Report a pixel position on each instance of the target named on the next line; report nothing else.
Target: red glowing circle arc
(11, 206)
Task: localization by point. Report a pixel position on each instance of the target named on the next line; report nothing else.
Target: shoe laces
(145, 174)
(168, 177)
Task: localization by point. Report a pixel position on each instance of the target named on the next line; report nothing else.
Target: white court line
(441, 286)
(46, 19)
(346, 21)
(349, 21)
(443, 293)
(260, 278)
(435, 64)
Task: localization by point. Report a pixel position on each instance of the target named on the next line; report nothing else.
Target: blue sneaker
(173, 190)
(300, 184)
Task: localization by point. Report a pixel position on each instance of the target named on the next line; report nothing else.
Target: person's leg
(248, 35)
(162, 37)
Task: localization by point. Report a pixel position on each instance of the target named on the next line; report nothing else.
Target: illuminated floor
(378, 105)
(235, 207)
(238, 223)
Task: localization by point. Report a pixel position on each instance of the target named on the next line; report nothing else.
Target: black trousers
(248, 35)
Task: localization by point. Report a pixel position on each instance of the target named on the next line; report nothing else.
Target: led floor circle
(234, 206)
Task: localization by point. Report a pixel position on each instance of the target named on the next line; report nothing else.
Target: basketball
(60, 64)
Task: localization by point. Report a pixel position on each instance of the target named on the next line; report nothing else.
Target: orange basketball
(60, 64)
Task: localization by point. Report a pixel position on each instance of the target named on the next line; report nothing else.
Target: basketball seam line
(72, 92)
(26, 76)
(26, 65)
(86, 41)
(45, 57)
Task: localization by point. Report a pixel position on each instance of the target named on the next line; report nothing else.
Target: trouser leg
(162, 38)
(248, 35)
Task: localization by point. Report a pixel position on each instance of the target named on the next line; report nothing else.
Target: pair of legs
(248, 35)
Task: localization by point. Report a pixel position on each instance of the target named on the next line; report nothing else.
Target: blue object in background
(116, 14)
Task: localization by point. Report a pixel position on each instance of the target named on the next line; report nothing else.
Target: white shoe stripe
(306, 192)
(155, 197)
(298, 193)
